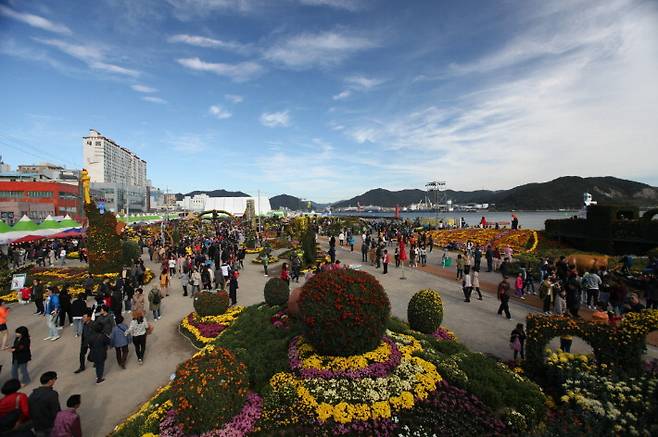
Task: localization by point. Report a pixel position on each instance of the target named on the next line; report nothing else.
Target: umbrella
(28, 239)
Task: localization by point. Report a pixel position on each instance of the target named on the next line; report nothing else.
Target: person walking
(78, 310)
(489, 255)
(164, 283)
(546, 294)
(138, 329)
(65, 306)
(517, 341)
(138, 301)
(285, 275)
(85, 334)
(105, 320)
(67, 422)
(98, 344)
(21, 355)
(386, 259)
(476, 283)
(119, 341)
(51, 309)
(38, 295)
(265, 260)
(155, 300)
(467, 284)
(518, 284)
(44, 405)
(460, 267)
(503, 297)
(233, 288)
(184, 280)
(296, 267)
(4, 314)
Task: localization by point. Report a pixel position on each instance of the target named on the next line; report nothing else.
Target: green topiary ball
(211, 304)
(276, 292)
(209, 389)
(425, 311)
(343, 312)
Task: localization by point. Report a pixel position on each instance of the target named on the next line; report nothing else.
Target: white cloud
(189, 143)
(143, 89)
(91, 55)
(274, 119)
(219, 112)
(188, 9)
(308, 50)
(342, 95)
(35, 21)
(202, 41)
(571, 113)
(234, 98)
(363, 82)
(154, 99)
(239, 72)
(348, 5)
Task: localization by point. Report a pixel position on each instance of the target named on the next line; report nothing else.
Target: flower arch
(620, 347)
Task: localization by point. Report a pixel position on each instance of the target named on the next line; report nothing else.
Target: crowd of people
(43, 253)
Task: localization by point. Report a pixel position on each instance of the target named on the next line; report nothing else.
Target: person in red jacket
(285, 274)
(14, 407)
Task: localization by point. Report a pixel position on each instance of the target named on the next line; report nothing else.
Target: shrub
(451, 411)
(344, 312)
(130, 251)
(211, 304)
(276, 292)
(209, 389)
(425, 311)
(259, 344)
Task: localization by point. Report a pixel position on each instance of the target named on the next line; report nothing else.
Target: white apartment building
(118, 176)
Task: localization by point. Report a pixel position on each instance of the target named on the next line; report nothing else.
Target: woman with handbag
(517, 340)
(139, 328)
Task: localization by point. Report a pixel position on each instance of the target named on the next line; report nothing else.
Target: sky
(326, 99)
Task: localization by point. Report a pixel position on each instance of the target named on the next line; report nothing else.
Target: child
(467, 286)
(517, 340)
(460, 267)
(476, 283)
(67, 422)
(519, 286)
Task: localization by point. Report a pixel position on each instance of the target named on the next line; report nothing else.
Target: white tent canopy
(237, 205)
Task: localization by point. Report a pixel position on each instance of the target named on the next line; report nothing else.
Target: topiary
(425, 311)
(343, 312)
(276, 292)
(211, 304)
(209, 389)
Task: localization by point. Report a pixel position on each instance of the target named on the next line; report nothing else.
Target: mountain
(294, 203)
(213, 193)
(564, 192)
(286, 201)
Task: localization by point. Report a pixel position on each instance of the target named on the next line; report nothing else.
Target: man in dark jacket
(98, 344)
(44, 405)
(37, 296)
(105, 320)
(84, 339)
(489, 256)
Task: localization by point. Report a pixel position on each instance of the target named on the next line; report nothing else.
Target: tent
(66, 234)
(68, 223)
(24, 224)
(28, 239)
(4, 227)
(49, 223)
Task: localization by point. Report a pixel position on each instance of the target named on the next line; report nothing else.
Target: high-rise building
(117, 175)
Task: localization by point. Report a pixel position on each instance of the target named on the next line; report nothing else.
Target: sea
(527, 219)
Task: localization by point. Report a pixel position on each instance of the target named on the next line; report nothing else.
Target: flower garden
(519, 240)
(336, 363)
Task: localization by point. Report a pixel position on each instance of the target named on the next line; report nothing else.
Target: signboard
(18, 281)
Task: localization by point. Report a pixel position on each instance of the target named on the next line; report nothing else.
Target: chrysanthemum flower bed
(203, 330)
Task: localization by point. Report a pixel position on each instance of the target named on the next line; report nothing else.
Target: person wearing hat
(119, 341)
(67, 422)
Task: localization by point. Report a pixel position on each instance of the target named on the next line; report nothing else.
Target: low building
(233, 205)
(37, 198)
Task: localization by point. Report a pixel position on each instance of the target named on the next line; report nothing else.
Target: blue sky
(325, 99)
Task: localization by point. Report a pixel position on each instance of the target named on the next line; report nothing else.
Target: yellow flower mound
(225, 319)
(311, 360)
(414, 379)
